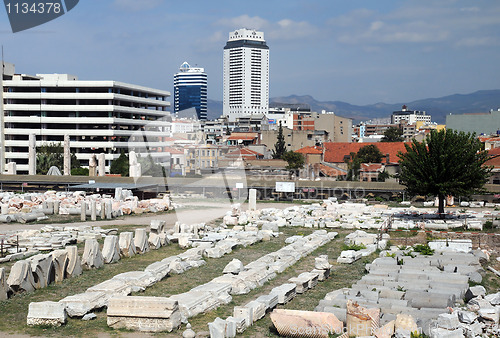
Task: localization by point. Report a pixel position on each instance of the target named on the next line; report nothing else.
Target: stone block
(81, 304)
(244, 312)
(145, 314)
(112, 287)
(154, 241)
(270, 301)
(46, 313)
(193, 303)
(92, 256)
(60, 261)
(238, 322)
(126, 244)
(448, 321)
(258, 309)
(21, 278)
(321, 263)
(159, 269)
(111, 250)
(42, 270)
(233, 267)
(74, 267)
(285, 292)
(4, 288)
(475, 291)
(217, 328)
(443, 333)
(157, 226)
(141, 241)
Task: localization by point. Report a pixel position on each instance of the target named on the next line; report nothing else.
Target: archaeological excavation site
(82, 264)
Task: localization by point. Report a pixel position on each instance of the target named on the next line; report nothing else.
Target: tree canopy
(367, 154)
(149, 167)
(120, 165)
(295, 160)
(446, 163)
(52, 154)
(392, 134)
(279, 147)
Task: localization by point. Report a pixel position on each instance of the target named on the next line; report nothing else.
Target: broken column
(103, 210)
(92, 256)
(42, 269)
(83, 211)
(126, 244)
(141, 241)
(93, 210)
(32, 155)
(134, 165)
(101, 170)
(67, 156)
(60, 261)
(252, 199)
(11, 168)
(20, 277)
(93, 166)
(111, 250)
(74, 267)
(4, 288)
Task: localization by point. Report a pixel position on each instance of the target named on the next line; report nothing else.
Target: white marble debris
(234, 267)
(154, 241)
(21, 278)
(157, 226)
(60, 261)
(349, 256)
(4, 288)
(111, 250)
(42, 269)
(141, 241)
(126, 244)
(80, 304)
(46, 314)
(74, 267)
(92, 256)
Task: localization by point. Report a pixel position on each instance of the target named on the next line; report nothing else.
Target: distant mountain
(438, 108)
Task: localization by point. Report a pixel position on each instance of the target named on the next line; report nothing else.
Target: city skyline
(362, 53)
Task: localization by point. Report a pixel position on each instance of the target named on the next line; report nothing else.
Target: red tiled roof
(310, 150)
(243, 136)
(332, 172)
(494, 152)
(335, 151)
(244, 152)
(371, 167)
(172, 150)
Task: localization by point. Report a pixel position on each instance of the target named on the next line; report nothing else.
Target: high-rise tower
(190, 90)
(246, 74)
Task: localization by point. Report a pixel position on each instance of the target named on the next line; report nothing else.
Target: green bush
(80, 172)
(354, 247)
(424, 249)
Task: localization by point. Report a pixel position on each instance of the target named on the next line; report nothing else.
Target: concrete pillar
(93, 166)
(83, 215)
(135, 169)
(11, 168)
(102, 164)
(32, 155)
(5, 209)
(93, 210)
(67, 156)
(103, 209)
(56, 207)
(252, 199)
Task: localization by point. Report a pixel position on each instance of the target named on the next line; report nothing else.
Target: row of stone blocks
(418, 287)
(213, 294)
(244, 316)
(123, 284)
(41, 270)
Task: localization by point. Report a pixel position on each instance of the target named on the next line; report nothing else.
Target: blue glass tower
(190, 90)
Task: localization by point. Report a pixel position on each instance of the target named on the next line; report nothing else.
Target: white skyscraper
(246, 74)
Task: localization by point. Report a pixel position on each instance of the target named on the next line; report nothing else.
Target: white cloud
(284, 29)
(478, 42)
(137, 5)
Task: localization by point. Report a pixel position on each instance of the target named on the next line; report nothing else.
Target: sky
(357, 51)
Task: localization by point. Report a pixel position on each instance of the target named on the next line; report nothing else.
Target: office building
(99, 116)
(246, 74)
(190, 91)
(410, 116)
(487, 123)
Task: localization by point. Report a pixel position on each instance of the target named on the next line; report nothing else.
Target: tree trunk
(441, 206)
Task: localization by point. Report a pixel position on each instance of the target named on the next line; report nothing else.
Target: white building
(411, 116)
(246, 74)
(190, 90)
(99, 116)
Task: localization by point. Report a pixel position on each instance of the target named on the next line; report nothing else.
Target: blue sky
(358, 51)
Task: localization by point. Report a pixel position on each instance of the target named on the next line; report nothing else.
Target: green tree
(120, 165)
(279, 146)
(446, 163)
(392, 134)
(367, 154)
(52, 154)
(295, 160)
